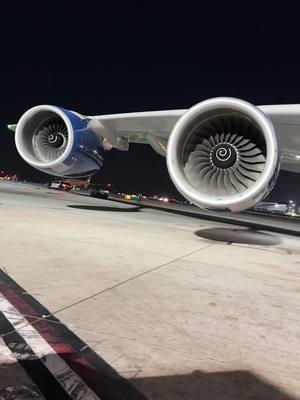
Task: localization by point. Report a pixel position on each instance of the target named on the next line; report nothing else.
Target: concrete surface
(272, 222)
(182, 307)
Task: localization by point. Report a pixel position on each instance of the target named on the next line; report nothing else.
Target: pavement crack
(132, 278)
(110, 288)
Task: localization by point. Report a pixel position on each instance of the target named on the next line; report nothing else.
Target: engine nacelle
(223, 153)
(58, 142)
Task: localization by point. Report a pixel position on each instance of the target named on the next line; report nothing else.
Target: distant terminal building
(271, 207)
(95, 189)
(293, 207)
(79, 183)
(8, 175)
(69, 183)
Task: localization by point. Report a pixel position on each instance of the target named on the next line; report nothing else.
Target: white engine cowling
(223, 153)
(58, 142)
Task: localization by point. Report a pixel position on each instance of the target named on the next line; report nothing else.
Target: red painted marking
(75, 360)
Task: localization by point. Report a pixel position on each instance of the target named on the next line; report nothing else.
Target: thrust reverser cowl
(223, 153)
(58, 142)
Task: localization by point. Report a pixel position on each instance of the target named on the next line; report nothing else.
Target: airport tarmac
(257, 220)
(181, 307)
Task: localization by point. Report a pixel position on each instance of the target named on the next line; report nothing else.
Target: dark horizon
(122, 59)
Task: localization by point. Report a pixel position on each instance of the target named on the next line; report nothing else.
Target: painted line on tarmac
(72, 383)
(20, 350)
(79, 371)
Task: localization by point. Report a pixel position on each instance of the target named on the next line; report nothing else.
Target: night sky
(143, 56)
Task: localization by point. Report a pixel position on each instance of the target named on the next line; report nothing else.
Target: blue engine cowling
(58, 142)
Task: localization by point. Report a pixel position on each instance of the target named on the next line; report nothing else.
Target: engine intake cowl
(58, 142)
(223, 153)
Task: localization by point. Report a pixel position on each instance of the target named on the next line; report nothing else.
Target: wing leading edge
(154, 128)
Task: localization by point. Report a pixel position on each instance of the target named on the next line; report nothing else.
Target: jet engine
(223, 154)
(58, 142)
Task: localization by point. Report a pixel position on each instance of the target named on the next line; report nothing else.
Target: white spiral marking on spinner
(223, 154)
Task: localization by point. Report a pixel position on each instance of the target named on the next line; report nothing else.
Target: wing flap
(137, 126)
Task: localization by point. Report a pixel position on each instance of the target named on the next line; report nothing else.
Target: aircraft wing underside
(154, 128)
(222, 153)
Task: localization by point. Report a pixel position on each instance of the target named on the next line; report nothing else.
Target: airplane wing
(12, 127)
(154, 128)
(222, 153)
(150, 127)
